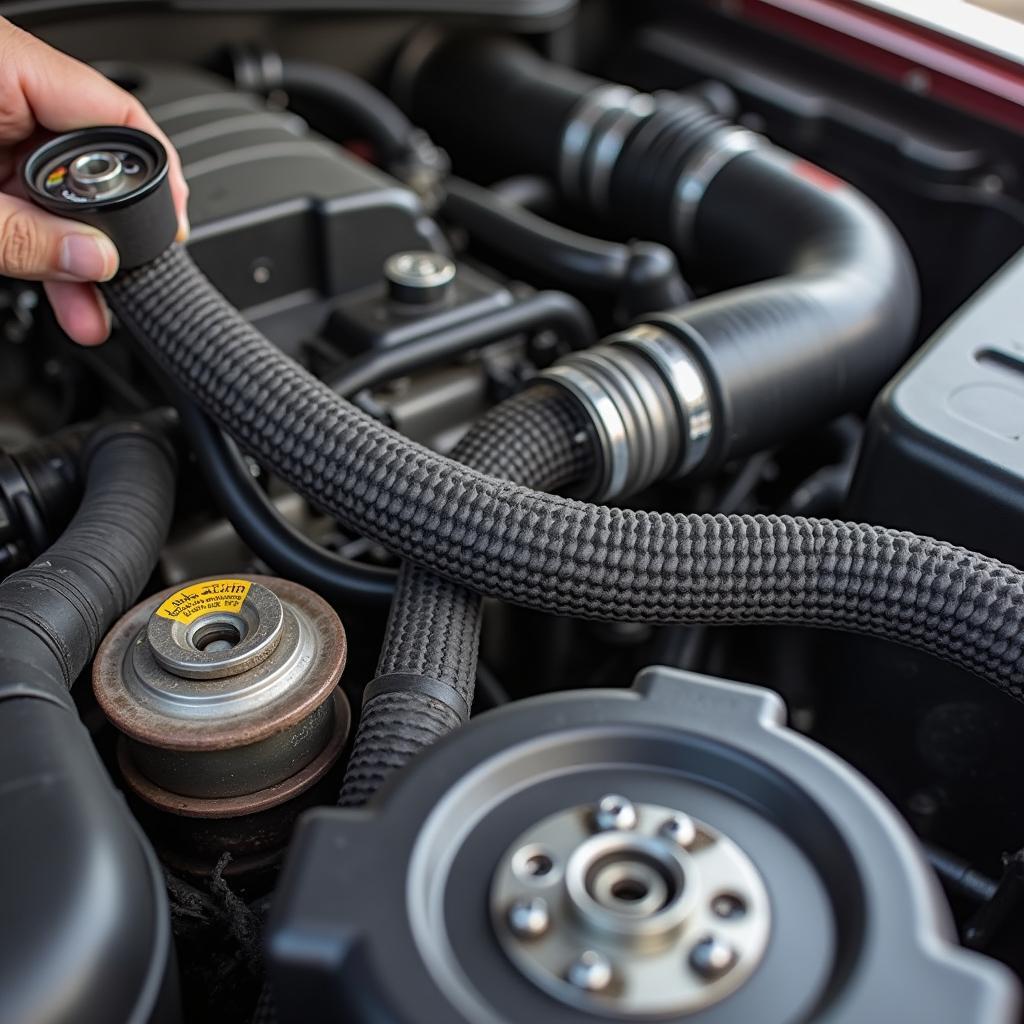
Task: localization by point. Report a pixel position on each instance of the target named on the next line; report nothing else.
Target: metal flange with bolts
(671, 852)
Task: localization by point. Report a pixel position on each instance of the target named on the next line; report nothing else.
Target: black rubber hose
(830, 317)
(287, 550)
(641, 276)
(493, 103)
(553, 553)
(429, 659)
(358, 105)
(86, 930)
(824, 299)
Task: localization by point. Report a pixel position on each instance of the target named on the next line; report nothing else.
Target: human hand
(42, 89)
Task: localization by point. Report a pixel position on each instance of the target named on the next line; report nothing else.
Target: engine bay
(547, 548)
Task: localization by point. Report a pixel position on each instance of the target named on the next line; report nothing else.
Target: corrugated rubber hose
(553, 553)
(84, 904)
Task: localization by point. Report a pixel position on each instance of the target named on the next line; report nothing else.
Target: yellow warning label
(203, 598)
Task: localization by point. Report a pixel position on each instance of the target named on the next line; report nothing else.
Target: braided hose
(553, 553)
(433, 633)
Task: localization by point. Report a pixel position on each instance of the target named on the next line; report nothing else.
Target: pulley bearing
(113, 178)
(225, 693)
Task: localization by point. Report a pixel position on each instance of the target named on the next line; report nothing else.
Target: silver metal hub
(630, 910)
(223, 687)
(100, 170)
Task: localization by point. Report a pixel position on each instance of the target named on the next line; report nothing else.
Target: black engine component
(261, 184)
(465, 868)
(951, 425)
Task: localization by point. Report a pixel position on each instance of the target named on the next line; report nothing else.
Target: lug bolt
(680, 830)
(614, 813)
(528, 917)
(711, 958)
(591, 971)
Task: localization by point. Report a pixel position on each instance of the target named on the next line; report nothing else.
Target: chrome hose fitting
(649, 403)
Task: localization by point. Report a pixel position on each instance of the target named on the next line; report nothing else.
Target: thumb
(37, 246)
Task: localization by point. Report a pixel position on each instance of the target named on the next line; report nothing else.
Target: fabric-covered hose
(536, 438)
(552, 553)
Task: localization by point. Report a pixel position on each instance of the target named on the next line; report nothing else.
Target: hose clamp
(698, 173)
(688, 386)
(648, 403)
(609, 427)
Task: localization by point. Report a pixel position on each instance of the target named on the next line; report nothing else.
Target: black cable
(354, 102)
(287, 550)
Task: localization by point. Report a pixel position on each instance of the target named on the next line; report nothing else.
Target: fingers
(80, 311)
(40, 86)
(36, 246)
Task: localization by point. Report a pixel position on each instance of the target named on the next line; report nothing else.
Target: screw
(728, 907)
(528, 917)
(680, 829)
(590, 971)
(614, 813)
(711, 957)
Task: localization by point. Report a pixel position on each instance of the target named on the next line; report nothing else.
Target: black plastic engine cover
(282, 219)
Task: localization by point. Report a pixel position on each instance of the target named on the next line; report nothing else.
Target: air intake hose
(85, 930)
(824, 299)
(553, 553)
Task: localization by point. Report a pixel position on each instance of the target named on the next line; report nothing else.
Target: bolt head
(728, 907)
(680, 830)
(528, 917)
(614, 813)
(591, 971)
(419, 277)
(711, 957)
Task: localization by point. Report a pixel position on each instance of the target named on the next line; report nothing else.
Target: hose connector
(649, 404)
(647, 155)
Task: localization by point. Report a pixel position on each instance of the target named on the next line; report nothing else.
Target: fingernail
(183, 228)
(105, 310)
(88, 257)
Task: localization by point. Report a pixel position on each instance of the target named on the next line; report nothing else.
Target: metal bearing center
(628, 886)
(219, 643)
(630, 910)
(99, 171)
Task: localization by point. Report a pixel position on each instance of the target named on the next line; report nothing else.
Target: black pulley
(112, 178)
